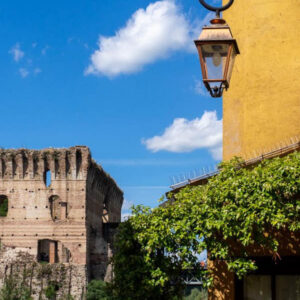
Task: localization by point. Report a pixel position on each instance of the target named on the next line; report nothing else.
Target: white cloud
(127, 205)
(150, 34)
(126, 209)
(185, 136)
(125, 216)
(200, 88)
(16, 52)
(23, 72)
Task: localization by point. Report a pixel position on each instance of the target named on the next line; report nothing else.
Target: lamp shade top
(217, 33)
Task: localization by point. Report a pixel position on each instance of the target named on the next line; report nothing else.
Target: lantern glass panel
(231, 63)
(214, 56)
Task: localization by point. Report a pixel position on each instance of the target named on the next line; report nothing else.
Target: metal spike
(174, 181)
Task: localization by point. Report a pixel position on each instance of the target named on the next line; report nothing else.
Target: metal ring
(216, 9)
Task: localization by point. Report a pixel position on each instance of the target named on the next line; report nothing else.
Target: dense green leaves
(231, 212)
(14, 290)
(3, 206)
(97, 290)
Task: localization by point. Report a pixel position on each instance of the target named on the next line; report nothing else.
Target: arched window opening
(3, 205)
(47, 251)
(47, 178)
(58, 209)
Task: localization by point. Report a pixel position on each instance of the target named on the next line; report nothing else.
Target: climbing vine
(240, 207)
(26, 279)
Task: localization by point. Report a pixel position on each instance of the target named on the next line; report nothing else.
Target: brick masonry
(62, 208)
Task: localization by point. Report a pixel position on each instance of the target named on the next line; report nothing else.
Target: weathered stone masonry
(62, 208)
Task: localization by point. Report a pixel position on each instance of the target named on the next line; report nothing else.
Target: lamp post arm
(216, 9)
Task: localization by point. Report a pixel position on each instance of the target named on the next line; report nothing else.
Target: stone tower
(61, 208)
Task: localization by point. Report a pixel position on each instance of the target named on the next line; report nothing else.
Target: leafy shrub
(51, 290)
(197, 294)
(11, 290)
(237, 207)
(96, 290)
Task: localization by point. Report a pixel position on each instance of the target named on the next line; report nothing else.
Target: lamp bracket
(216, 9)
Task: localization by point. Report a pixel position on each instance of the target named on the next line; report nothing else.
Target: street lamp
(217, 51)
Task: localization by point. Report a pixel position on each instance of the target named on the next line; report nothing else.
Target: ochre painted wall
(261, 109)
(262, 106)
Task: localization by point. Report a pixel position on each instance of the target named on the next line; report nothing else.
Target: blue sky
(134, 96)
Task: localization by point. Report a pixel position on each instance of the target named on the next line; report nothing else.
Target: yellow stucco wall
(262, 106)
(261, 109)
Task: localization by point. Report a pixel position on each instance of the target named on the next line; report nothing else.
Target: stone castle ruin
(57, 207)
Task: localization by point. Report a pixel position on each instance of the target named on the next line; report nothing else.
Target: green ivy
(236, 207)
(12, 290)
(3, 207)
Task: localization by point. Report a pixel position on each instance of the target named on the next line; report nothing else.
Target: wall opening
(56, 167)
(66, 255)
(3, 168)
(14, 167)
(35, 165)
(3, 205)
(54, 207)
(47, 251)
(25, 165)
(63, 210)
(105, 217)
(67, 164)
(58, 209)
(78, 162)
(47, 178)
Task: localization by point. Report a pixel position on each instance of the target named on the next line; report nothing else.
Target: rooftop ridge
(271, 154)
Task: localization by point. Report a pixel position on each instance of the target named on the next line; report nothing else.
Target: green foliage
(96, 290)
(68, 297)
(197, 294)
(3, 207)
(51, 290)
(233, 211)
(27, 278)
(13, 290)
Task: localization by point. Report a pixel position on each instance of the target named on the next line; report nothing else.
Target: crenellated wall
(71, 163)
(58, 196)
